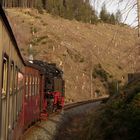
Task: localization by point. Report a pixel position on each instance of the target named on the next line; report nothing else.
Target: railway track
(76, 104)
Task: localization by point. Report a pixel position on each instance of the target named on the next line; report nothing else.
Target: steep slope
(76, 48)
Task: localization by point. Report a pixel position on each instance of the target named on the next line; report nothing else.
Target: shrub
(113, 87)
(82, 60)
(116, 120)
(100, 72)
(120, 67)
(33, 29)
(21, 49)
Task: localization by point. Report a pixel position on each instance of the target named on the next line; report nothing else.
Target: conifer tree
(39, 5)
(118, 16)
(112, 19)
(104, 15)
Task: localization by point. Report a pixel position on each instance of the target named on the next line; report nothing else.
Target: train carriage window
(38, 85)
(63, 88)
(33, 86)
(11, 78)
(20, 90)
(4, 76)
(16, 79)
(30, 85)
(27, 85)
(20, 80)
(11, 98)
(15, 94)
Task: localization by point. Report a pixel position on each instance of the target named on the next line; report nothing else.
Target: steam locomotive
(28, 91)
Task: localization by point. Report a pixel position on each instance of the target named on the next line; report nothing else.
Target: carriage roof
(10, 32)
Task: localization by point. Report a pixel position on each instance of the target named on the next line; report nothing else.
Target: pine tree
(104, 15)
(118, 16)
(44, 2)
(112, 19)
(39, 5)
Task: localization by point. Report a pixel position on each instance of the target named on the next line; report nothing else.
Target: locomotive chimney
(31, 53)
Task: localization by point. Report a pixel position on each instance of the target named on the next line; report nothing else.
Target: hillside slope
(76, 48)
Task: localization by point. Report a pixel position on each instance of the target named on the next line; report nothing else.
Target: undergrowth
(111, 84)
(118, 119)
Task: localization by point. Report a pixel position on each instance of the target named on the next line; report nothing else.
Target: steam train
(28, 91)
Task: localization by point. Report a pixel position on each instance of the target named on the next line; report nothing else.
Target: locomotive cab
(52, 88)
(53, 93)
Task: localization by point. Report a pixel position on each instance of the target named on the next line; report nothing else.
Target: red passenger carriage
(24, 87)
(31, 102)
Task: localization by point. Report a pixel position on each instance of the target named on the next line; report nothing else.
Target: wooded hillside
(80, 10)
(105, 52)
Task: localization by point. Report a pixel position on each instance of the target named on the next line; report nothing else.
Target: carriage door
(4, 98)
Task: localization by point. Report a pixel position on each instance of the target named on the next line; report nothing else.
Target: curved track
(73, 105)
